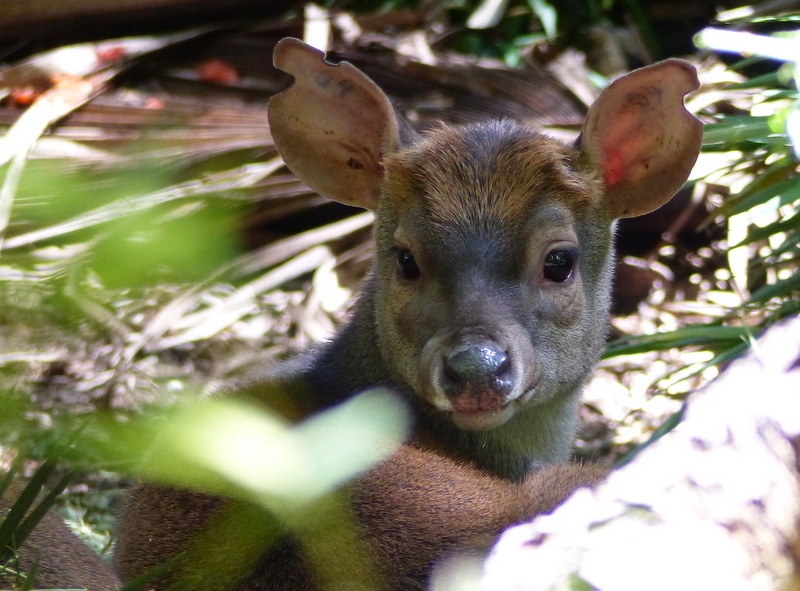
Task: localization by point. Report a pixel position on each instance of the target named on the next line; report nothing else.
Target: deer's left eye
(559, 265)
(407, 265)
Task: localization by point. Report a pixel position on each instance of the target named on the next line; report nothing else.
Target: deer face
(493, 271)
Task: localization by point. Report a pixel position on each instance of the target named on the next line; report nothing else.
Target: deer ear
(333, 126)
(641, 138)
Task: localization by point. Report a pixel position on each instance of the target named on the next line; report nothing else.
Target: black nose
(477, 365)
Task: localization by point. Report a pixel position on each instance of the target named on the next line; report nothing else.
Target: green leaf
(709, 336)
(174, 244)
(10, 527)
(784, 193)
(757, 234)
(736, 129)
(547, 15)
(488, 14)
(780, 289)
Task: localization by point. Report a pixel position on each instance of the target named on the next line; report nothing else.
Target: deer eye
(407, 265)
(559, 264)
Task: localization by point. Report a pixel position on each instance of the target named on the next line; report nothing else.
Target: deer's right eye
(559, 264)
(407, 265)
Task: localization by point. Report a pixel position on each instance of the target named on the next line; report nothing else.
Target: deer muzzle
(475, 378)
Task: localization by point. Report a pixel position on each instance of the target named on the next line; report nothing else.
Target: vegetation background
(154, 249)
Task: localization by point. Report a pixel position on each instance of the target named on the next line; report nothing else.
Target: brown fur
(63, 560)
(489, 348)
(443, 493)
(508, 189)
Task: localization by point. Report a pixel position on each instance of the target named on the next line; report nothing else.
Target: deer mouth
(482, 419)
(475, 407)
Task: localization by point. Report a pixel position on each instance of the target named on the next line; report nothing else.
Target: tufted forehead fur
(487, 175)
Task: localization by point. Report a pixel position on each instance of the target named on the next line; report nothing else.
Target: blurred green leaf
(167, 244)
(487, 14)
(547, 15)
(781, 46)
(233, 447)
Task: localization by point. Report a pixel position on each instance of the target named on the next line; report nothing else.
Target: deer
(486, 309)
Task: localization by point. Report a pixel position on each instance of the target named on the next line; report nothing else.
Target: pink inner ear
(640, 134)
(641, 138)
(614, 166)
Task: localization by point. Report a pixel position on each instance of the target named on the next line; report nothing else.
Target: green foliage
(166, 244)
(503, 29)
(245, 451)
(129, 227)
(23, 509)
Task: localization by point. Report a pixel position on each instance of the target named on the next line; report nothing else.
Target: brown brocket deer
(486, 309)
